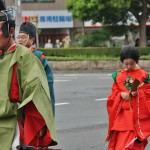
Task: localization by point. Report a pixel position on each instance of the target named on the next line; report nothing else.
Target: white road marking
(69, 75)
(61, 80)
(77, 75)
(102, 78)
(81, 75)
(58, 104)
(101, 99)
(64, 77)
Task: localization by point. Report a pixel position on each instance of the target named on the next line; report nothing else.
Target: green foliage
(77, 7)
(113, 10)
(93, 39)
(39, 31)
(87, 52)
(112, 13)
(144, 51)
(81, 58)
(105, 11)
(90, 53)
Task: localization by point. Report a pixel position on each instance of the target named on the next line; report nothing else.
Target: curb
(101, 65)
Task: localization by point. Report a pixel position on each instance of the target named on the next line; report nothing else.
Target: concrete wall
(102, 65)
(57, 5)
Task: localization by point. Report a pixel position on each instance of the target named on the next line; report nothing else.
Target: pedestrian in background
(48, 44)
(129, 112)
(67, 41)
(58, 44)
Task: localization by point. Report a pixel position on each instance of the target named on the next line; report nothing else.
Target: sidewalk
(101, 65)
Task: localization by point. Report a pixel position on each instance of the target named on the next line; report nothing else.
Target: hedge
(90, 51)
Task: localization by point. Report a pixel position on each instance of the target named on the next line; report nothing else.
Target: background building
(52, 19)
(50, 16)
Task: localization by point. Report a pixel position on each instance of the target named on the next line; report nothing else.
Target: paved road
(81, 117)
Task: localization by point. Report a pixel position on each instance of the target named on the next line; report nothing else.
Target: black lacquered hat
(28, 28)
(5, 15)
(2, 5)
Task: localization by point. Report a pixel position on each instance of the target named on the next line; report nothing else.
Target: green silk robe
(33, 86)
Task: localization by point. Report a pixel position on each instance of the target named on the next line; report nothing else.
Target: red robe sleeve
(34, 122)
(113, 102)
(141, 110)
(14, 87)
(14, 95)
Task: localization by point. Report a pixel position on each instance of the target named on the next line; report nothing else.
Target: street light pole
(18, 15)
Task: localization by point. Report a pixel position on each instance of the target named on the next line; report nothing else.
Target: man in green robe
(24, 93)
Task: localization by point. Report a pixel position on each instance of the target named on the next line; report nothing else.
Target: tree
(93, 38)
(113, 13)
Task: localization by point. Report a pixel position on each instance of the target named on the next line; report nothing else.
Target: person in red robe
(129, 112)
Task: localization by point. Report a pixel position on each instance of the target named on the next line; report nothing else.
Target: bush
(90, 52)
(97, 51)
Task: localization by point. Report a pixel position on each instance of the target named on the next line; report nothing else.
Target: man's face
(25, 40)
(3, 39)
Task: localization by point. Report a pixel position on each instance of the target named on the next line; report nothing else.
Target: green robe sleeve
(34, 86)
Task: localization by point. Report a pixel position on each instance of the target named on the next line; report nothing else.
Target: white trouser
(16, 140)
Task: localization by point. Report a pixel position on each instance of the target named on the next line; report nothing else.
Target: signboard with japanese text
(49, 19)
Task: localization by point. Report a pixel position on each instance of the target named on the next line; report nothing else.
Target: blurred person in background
(58, 44)
(67, 41)
(48, 44)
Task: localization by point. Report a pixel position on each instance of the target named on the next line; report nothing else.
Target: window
(37, 0)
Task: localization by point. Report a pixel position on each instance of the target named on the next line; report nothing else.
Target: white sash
(16, 140)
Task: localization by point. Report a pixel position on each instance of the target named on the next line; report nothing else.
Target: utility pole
(18, 15)
(2, 5)
(37, 34)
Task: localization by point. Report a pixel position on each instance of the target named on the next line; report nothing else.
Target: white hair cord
(27, 41)
(138, 121)
(138, 106)
(130, 142)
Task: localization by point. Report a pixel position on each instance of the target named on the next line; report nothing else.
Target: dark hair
(28, 28)
(9, 22)
(129, 52)
(5, 29)
(2, 5)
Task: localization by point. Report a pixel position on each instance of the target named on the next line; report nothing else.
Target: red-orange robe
(33, 122)
(129, 120)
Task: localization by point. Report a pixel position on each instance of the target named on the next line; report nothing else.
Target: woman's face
(129, 64)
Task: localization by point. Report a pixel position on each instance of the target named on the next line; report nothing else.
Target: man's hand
(42, 132)
(134, 93)
(140, 85)
(125, 96)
